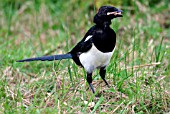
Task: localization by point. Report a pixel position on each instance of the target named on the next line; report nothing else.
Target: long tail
(48, 58)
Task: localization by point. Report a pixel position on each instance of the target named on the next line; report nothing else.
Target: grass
(139, 71)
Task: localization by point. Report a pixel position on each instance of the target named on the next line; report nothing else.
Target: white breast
(95, 59)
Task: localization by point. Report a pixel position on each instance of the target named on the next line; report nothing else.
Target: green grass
(139, 71)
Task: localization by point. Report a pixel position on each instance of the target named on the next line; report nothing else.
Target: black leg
(89, 80)
(102, 74)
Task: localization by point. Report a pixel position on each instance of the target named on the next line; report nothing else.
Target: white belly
(95, 59)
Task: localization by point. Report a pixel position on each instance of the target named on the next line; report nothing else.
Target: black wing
(84, 46)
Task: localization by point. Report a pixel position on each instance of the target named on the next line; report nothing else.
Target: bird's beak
(117, 13)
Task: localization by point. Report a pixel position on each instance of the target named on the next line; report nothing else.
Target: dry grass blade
(145, 65)
(117, 107)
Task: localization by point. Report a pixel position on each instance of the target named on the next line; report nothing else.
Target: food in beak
(114, 13)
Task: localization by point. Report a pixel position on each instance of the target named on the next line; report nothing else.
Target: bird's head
(106, 14)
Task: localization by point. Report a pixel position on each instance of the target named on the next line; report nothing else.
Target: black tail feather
(48, 58)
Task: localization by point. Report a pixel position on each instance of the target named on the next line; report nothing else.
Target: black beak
(119, 13)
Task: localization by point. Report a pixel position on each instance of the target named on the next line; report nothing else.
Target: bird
(95, 49)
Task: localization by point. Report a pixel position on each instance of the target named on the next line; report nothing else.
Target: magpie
(95, 50)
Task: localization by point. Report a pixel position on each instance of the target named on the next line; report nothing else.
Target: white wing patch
(88, 37)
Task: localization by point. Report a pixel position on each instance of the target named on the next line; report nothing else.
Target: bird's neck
(101, 22)
(106, 24)
(103, 26)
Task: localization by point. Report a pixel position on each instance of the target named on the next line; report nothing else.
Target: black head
(106, 14)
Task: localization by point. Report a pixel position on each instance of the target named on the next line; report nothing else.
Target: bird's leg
(102, 74)
(89, 80)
